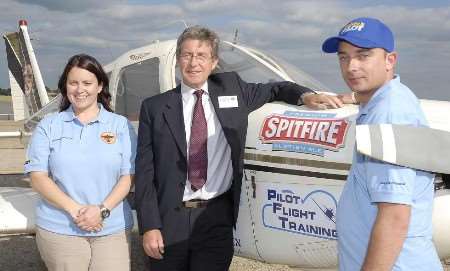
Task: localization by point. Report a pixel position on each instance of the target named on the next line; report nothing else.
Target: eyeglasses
(200, 58)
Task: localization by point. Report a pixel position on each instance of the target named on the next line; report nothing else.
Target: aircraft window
(249, 69)
(136, 82)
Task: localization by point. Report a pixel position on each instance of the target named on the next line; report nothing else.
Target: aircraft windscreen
(248, 68)
(301, 77)
(296, 74)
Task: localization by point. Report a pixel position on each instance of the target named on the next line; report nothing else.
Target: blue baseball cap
(364, 33)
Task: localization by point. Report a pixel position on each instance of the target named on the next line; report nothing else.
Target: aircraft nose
(441, 223)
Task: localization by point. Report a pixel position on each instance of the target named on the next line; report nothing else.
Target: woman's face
(82, 89)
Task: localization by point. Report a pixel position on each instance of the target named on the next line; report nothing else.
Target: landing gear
(446, 180)
(442, 181)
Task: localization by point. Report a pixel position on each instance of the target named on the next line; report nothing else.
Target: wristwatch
(104, 212)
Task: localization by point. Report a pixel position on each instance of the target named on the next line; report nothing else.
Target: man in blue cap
(384, 213)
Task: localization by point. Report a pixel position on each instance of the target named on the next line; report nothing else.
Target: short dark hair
(199, 33)
(90, 64)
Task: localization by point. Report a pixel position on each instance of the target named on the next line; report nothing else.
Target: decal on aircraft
(306, 132)
(312, 215)
(139, 57)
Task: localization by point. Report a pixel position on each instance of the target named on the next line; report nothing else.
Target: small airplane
(296, 159)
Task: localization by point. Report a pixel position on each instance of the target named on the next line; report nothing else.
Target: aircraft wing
(416, 147)
(17, 207)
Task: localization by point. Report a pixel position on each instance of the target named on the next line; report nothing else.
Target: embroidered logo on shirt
(108, 137)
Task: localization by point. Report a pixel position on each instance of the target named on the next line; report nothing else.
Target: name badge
(228, 101)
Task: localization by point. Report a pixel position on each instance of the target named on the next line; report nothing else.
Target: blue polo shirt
(371, 181)
(85, 161)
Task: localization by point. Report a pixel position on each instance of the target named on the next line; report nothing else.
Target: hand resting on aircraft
(321, 101)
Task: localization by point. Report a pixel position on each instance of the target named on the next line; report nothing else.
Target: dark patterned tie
(198, 148)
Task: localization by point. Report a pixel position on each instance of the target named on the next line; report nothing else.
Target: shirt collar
(378, 95)
(102, 116)
(187, 92)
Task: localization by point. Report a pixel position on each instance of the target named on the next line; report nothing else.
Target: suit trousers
(198, 239)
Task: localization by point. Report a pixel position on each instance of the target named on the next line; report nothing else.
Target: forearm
(119, 192)
(388, 234)
(292, 93)
(48, 189)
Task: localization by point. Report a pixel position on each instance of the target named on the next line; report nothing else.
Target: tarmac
(19, 252)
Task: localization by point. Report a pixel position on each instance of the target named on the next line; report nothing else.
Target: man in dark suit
(189, 160)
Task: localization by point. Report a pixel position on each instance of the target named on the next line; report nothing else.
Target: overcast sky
(290, 29)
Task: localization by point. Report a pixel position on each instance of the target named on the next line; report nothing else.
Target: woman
(81, 161)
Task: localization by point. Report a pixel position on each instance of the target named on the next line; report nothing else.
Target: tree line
(5, 91)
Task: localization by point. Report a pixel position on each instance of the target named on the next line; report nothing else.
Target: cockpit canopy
(149, 70)
(143, 79)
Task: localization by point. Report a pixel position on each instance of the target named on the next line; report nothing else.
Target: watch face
(105, 213)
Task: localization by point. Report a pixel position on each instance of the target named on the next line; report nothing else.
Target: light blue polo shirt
(86, 163)
(371, 181)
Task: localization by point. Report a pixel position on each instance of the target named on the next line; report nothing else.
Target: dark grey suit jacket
(161, 162)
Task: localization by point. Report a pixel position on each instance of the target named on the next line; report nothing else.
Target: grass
(4, 98)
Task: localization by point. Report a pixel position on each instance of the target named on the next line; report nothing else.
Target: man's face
(365, 70)
(196, 62)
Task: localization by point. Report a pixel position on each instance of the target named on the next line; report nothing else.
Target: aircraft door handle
(253, 186)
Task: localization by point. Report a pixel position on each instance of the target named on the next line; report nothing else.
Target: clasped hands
(88, 218)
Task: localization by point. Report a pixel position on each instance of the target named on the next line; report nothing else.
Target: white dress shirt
(220, 169)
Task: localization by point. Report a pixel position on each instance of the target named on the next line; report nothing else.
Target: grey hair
(199, 33)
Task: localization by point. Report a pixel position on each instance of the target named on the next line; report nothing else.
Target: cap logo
(353, 26)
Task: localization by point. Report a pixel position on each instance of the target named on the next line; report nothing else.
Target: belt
(196, 203)
(199, 203)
